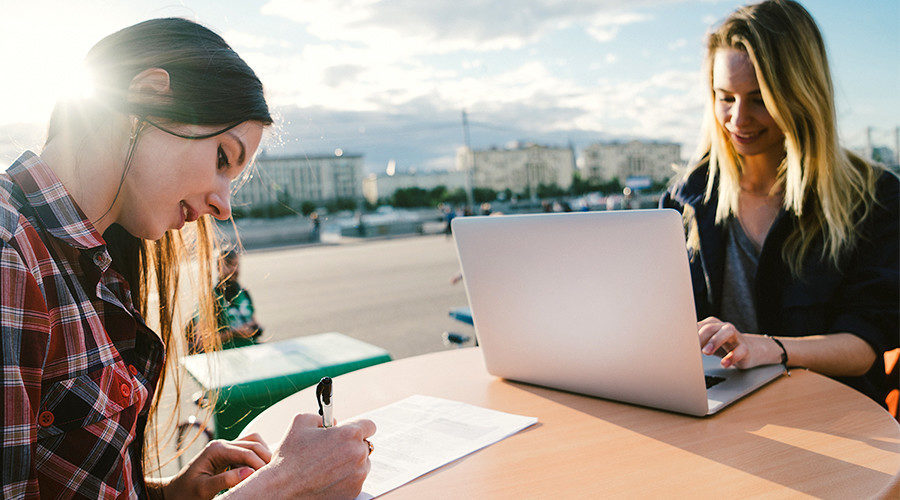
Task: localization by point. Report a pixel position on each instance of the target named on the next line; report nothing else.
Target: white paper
(421, 433)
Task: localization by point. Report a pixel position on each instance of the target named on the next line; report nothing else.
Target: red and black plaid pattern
(79, 366)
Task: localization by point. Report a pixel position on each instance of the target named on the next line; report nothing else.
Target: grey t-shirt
(739, 281)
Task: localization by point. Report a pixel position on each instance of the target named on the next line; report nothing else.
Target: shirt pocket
(84, 400)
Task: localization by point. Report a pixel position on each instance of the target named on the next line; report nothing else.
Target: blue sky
(389, 78)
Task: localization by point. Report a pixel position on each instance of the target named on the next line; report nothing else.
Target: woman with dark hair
(794, 241)
(90, 230)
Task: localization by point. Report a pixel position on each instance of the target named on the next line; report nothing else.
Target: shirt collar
(54, 206)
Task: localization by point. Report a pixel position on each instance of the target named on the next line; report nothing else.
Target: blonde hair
(828, 188)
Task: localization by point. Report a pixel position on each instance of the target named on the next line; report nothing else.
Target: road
(391, 293)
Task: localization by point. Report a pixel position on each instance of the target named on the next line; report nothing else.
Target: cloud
(335, 76)
(527, 104)
(605, 27)
(442, 27)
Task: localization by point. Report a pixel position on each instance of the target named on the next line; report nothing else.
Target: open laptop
(597, 303)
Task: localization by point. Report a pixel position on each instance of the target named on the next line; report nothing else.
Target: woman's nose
(740, 115)
(220, 205)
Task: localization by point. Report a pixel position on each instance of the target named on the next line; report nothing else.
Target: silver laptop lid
(598, 303)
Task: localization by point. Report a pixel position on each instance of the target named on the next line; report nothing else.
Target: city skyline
(389, 79)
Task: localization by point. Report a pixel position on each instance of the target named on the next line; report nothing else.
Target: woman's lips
(746, 137)
(188, 214)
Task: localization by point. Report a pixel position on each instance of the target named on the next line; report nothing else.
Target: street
(391, 293)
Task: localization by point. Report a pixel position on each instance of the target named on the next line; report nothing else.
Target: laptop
(597, 303)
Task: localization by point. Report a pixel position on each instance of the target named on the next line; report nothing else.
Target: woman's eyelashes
(222, 162)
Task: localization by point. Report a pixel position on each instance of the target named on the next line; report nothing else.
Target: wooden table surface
(800, 435)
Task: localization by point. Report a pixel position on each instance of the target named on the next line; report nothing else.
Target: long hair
(209, 85)
(826, 187)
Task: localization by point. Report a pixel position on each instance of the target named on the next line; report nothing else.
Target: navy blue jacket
(861, 296)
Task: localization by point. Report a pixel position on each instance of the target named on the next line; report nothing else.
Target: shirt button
(46, 419)
(100, 259)
(132, 370)
(126, 390)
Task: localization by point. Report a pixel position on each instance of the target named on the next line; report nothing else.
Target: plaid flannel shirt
(79, 366)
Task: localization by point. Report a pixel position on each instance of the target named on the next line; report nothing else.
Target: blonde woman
(84, 227)
(793, 240)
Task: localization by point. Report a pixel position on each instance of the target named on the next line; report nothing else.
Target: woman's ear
(149, 84)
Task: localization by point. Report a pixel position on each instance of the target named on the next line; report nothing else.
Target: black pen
(323, 397)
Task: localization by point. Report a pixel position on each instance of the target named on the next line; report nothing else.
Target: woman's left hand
(220, 466)
(738, 349)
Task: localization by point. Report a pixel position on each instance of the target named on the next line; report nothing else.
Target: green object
(250, 379)
(234, 310)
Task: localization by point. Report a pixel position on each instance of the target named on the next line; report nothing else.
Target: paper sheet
(421, 433)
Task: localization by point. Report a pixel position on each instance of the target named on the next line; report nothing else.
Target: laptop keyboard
(711, 381)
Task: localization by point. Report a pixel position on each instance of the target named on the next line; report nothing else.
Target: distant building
(383, 185)
(603, 162)
(318, 179)
(886, 156)
(879, 154)
(520, 168)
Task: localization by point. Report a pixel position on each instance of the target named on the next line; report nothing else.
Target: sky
(389, 79)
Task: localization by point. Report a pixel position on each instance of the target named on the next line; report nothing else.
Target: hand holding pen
(323, 397)
(312, 461)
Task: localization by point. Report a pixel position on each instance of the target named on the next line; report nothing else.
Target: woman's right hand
(313, 461)
(738, 349)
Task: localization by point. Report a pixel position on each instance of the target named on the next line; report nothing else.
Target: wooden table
(800, 435)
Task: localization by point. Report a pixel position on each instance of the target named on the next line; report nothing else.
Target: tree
(610, 187)
(410, 197)
(482, 195)
(455, 197)
(307, 207)
(549, 190)
(270, 210)
(437, 194)
(339, 204)
(579, 186)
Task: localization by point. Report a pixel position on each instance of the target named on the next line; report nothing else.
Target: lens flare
(78, 85)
